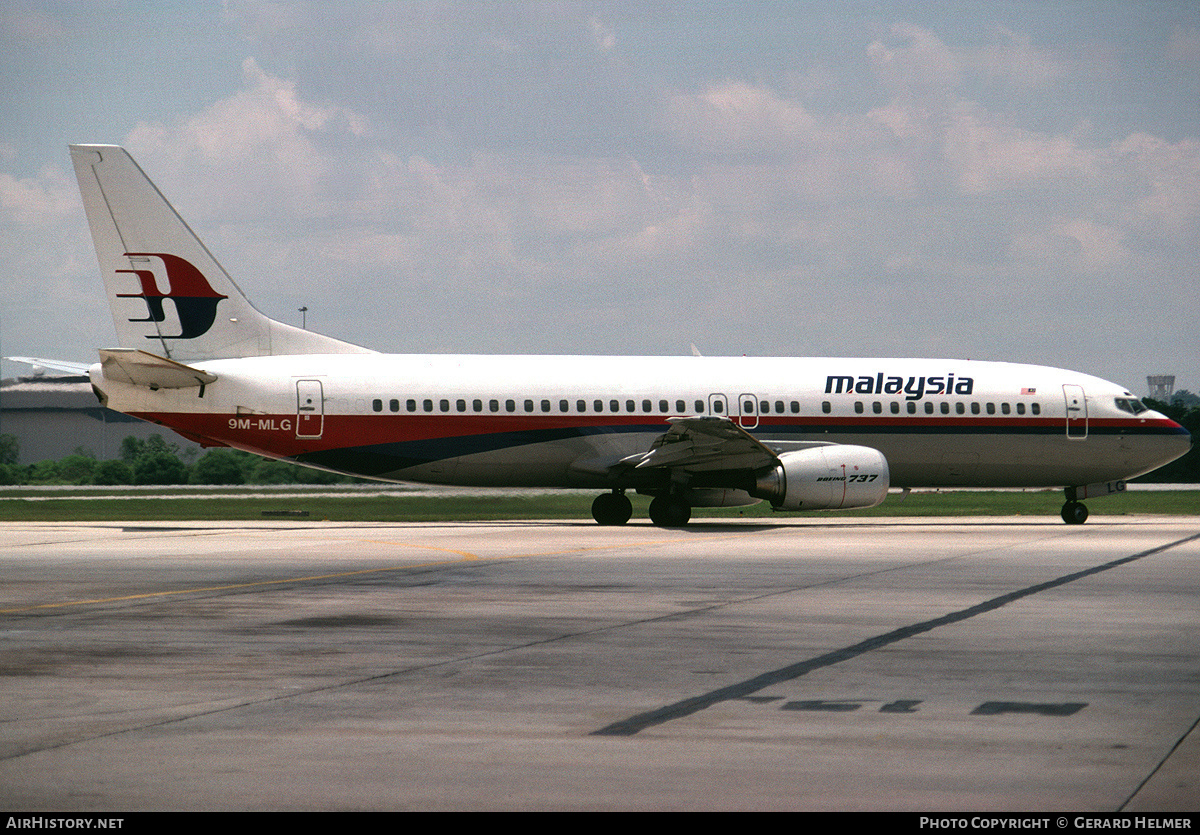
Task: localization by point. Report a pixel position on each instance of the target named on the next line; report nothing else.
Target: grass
(363, 506)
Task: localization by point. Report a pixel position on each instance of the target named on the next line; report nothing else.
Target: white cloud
(48, 198)
(987, 153)
(736, 117)
(1013, 57)
(602, 36)
(1167, 179)
(266, 122)
(914, 60)
(1183, 45)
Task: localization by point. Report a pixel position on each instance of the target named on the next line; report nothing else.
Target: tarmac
(806, 663)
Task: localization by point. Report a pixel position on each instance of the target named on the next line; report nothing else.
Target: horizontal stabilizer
(141, 368)
(53, 365)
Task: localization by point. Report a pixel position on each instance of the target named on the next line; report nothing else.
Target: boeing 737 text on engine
(803, 434)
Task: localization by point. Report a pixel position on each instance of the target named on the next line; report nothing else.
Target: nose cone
(1173, 441)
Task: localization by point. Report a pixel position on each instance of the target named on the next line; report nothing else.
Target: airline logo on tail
(195, 299)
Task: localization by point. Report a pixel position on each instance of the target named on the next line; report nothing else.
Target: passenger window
(646, 406)
(394, 405)
(564, 406)
(826, 407)
(945, 408)
(928, 408)
(494, 405)
(444, 405)
(614, 405)
(718, 406)
(974, 408)
(529, 405)
(960, 408)
(510, 405)
(1020, 408)
(877, 407)
(858, 407)
(599, 405)
(1004, 408)
(664, 406)
(779, 407)
(699, 407)
(991, 408)
(411, 405)
(764, 407)
(895, 408)
(1035, 408)
(581, 405)
(680, 406)
(912, 408)
(629, 406)
(477, 405)
(377, 405)
(546, 405)
(428, 404)
(795, 407)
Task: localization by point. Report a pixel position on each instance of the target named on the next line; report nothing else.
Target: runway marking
(232, 586)
(466, 556)
(742, 689)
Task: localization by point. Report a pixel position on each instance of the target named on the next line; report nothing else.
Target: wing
(698, 444)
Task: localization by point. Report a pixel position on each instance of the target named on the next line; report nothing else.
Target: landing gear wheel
(612, 509)
(1074, 513)
(670, 511)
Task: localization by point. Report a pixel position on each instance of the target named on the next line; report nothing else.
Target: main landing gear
(1074, 512)
(670, 510)
(612, 508)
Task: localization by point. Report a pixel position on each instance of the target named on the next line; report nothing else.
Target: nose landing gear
(1074, 512)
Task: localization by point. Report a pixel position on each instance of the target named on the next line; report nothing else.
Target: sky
(1013, 181)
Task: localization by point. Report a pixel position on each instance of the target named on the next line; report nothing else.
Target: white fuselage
(563, 420)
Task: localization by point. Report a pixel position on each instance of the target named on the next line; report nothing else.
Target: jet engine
(833, 477)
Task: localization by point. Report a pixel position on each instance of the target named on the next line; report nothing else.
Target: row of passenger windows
(765, 407)
(564, 406)
(943, 407)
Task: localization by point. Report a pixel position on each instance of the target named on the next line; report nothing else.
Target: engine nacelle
(834, 477)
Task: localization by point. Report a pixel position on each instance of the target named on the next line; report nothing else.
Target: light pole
(304, 317)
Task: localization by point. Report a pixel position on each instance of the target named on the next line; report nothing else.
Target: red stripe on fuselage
(276, 434)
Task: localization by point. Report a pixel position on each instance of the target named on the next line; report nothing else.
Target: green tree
(12, 474)
(44, 472)
(218, 466)
(158, 463)
(131, 448)
(77, 469)
(270, 471)
(113, 472)
(9, 449)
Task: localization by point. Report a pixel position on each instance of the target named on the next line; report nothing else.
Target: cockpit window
(1131, 405)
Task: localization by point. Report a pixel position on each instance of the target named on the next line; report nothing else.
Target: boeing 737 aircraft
(803, 434)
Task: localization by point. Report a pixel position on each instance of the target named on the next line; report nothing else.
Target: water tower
(1161, 386)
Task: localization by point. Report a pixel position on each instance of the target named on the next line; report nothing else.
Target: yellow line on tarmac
(465, 556)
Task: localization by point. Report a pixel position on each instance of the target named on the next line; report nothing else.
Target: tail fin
(148, 256)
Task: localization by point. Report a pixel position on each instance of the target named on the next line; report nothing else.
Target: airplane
(691, 431)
